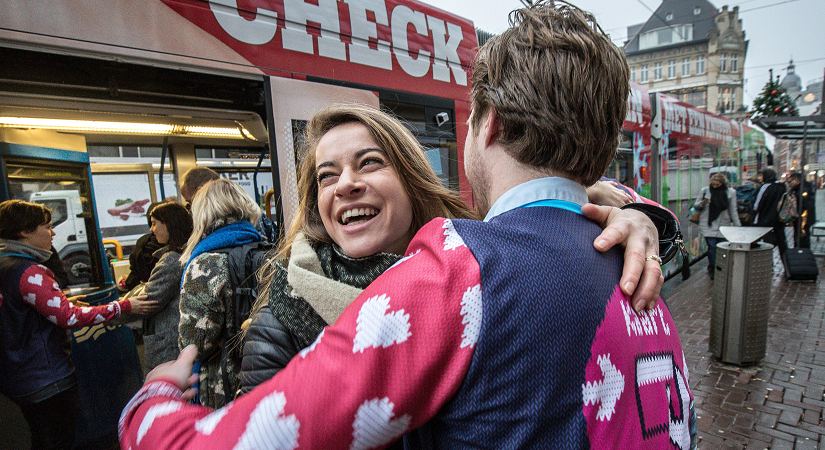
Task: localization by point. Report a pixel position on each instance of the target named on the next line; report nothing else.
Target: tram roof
(809, 127)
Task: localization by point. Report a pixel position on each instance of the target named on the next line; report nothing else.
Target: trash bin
(741, 296)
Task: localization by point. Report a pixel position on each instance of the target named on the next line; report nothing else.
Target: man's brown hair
(195, 178)
(559, 88)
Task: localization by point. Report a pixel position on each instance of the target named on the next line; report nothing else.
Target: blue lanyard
(561, 204)
(20, 255)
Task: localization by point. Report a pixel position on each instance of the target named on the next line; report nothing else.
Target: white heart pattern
(268, 427)
(56, 286)
(154, 412)
(99, 318)
(72, 320)
(305, 351)
(30, 298)
(452, 239)
(373, 426)
(36, 279)
(52, 319)
(207, 425)
(471, 312)
(54, 302)
(86, 309)
(376, 329)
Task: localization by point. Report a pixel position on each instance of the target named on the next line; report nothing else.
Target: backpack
(745, 198)
(244, 262)
(788, 211)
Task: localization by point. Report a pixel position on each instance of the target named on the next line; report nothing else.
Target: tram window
(66, 192)
(103, 151)
(129, 152)
(626, 141)
(150, 152)
(413, 116)
(672, 148)
(204, 153)
(59, 210)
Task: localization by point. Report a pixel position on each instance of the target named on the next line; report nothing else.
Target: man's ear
(490, 127)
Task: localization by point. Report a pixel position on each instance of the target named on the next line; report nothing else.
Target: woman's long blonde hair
(216, 204)
(428, 197)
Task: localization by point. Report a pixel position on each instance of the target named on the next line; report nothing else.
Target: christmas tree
(773, 101)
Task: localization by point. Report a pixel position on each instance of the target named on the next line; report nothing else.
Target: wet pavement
(775, 404)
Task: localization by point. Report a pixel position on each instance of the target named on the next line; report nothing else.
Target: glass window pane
(65, 190)
(103, 151)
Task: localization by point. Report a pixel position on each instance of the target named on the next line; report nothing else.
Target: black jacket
(142, 260)
(767, 201)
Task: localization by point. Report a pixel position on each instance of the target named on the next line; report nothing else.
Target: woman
(717, 201)
(356, 220)
(142, 260)
(36, 370)
(222, 216)
(767, 212)
(365, 189)
(171, 226)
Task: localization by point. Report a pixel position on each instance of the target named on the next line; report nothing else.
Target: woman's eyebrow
(358, 154)
(324, 164)
(364, 151)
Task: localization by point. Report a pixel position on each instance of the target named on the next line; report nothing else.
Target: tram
(154, 90)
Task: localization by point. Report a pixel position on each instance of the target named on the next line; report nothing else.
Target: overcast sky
(777, 30)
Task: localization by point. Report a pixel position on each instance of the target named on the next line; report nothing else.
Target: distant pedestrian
(767, 212)
(805, 197)
(717, 201)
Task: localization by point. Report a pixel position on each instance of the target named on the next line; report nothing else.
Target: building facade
(694, 52)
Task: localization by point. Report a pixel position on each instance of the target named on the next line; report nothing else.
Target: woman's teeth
(357, 215)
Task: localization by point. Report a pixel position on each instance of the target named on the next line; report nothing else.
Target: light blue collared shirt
(550, 188)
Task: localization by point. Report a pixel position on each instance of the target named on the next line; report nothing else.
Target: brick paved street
(776, 404)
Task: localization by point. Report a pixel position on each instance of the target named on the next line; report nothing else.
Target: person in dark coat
(765, 208)
(804, 192)
(36, 369)
(142, 260)
(171, 226)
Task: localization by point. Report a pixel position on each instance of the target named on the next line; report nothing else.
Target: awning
(810, 127)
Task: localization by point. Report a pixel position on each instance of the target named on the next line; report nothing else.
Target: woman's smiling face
(362, 201)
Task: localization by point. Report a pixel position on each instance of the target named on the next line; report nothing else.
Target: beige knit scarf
(305, 276)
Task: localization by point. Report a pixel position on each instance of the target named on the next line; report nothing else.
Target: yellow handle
(118, 247)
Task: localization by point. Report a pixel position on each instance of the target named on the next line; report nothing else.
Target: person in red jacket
(36, 371)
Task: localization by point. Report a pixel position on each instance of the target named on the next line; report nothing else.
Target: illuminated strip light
(212, 131)
(92, 126)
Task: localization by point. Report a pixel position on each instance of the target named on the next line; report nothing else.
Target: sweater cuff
(125, 306)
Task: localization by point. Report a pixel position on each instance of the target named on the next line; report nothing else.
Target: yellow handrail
(118, 247)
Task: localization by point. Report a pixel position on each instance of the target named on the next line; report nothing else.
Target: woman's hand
(178, 372)
(607, 193)
(142, 306)
(641, 278)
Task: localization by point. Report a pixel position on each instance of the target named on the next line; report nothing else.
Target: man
(196, 177)
(507, 333)
(193, 179)
(805, 197)
(766, 209)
